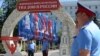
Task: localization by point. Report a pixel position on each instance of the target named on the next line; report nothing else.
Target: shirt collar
(86, 24)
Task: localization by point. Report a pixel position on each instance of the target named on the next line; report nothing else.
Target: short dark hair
(96, 22)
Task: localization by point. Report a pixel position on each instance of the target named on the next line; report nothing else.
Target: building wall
(71, 7)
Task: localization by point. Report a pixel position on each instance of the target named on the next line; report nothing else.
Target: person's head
(30, 41)
(83, 15)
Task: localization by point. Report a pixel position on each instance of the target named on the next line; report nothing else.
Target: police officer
(31, 48)
(87, 41)
(45, 44)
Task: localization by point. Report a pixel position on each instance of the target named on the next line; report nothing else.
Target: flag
(50, 29)
(44, 25)
(55, 38)
(36, 20)
(41, 26)
(24, 27)
(54, 27)
(32, 25)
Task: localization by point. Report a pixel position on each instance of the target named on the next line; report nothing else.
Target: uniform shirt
(88, 38)
(45, 45)
(31, 46)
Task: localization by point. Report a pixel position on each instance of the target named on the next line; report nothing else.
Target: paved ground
(51, 53)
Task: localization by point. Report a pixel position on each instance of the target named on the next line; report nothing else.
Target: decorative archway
(67, 34)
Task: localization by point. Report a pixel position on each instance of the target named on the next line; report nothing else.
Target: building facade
(71, 7)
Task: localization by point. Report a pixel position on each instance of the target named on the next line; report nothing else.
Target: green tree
(60, 33)
(1, 11)
(10, 5)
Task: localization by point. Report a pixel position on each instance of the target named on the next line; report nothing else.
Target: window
(96, 7)
(75, 7)
(90, 7)
(70, 7)
(66, 8)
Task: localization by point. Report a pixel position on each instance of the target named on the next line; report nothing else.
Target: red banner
(11, 47)
(9, 38)
(38, 5)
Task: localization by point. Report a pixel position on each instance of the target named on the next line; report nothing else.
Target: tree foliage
(9, 6)
(1, 11)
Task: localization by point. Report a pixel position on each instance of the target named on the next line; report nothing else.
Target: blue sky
(1, 1)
